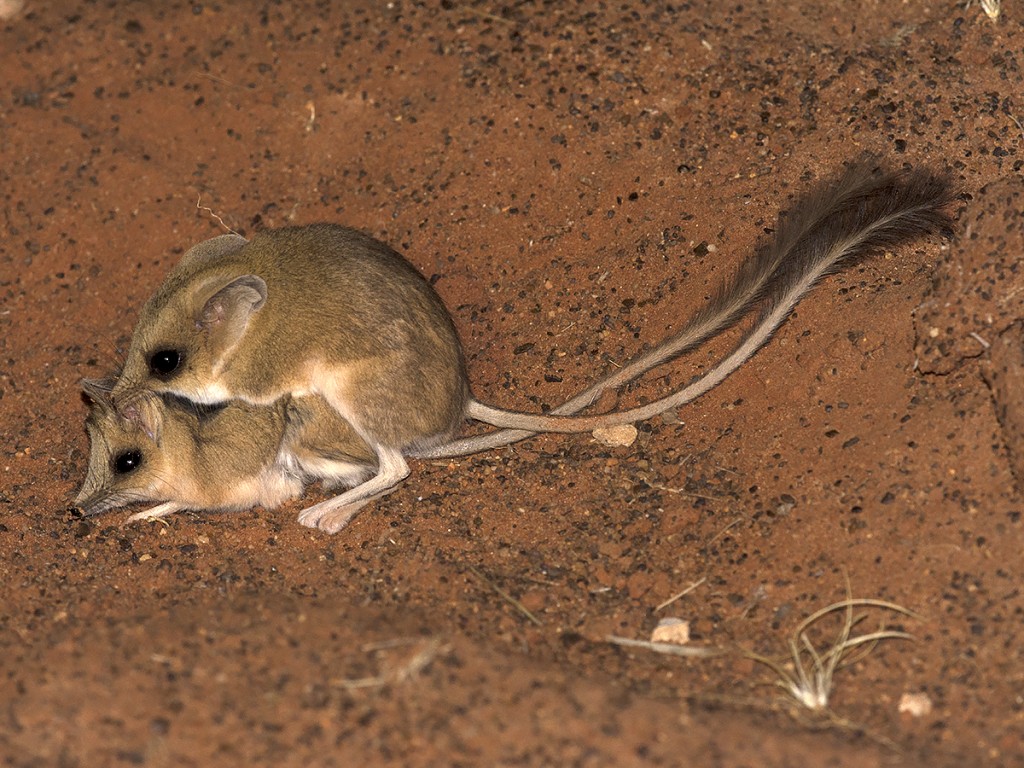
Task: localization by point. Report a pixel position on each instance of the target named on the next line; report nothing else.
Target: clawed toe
(334, 514)
(334, 521)
(329, 518)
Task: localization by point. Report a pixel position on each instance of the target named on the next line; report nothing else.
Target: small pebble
(915, 704)
(671, 630)
(10, 8)
(624, 434)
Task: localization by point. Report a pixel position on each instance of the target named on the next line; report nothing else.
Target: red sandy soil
(575, 178)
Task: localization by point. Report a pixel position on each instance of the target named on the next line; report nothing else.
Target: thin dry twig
(678, 595)
(419, 661)
(681, 492)
(488, 16)
(669, 649)
(505, 595)
(214, 215)
(724, 531)
(980, 339)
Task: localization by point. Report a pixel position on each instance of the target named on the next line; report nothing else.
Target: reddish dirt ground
(575, 178)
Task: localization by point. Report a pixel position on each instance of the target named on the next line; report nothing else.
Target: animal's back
(344, 309)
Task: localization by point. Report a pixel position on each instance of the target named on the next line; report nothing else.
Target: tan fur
(324, 310)
(237, 457)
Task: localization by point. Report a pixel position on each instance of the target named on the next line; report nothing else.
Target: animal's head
(188, 330)
(126, 462)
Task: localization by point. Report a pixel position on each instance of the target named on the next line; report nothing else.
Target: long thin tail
(829, 229)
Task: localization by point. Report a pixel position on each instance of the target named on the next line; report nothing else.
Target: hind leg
(334, 514)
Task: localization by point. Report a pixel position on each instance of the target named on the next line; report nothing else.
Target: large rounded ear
(226, 315)
(143, 412)
(97, 392)
(214, 248)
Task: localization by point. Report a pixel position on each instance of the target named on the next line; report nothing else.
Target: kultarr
(326, 311)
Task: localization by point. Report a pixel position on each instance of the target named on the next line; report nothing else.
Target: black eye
(127, 462)
(165, 361)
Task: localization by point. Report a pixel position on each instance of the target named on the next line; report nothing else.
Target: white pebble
(915, 704)
(671, 630)
(624, 434)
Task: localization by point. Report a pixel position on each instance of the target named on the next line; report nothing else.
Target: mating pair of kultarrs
(319, 353)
